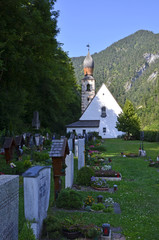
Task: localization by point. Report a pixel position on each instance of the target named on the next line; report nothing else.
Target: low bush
(69, 199)
(40, 156)
(97, 206)
(26, 232)
(84, 176)
(52, 228)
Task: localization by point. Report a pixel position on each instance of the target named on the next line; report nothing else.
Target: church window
(103, 112)
(88, 99)
(88, 87)
(104, 130)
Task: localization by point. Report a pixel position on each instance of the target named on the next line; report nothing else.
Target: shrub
(20, 167)
(98, 206)
(84, 176)
(52, 228)
(27, 164)
(69, 199)
(27, 232)
(40, 156)
(108, 209)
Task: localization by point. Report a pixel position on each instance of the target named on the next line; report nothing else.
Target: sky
(100, 23)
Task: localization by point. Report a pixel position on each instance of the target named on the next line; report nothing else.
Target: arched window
(88, 87)
(103, 112)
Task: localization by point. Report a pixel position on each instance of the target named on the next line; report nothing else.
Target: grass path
(138, 192)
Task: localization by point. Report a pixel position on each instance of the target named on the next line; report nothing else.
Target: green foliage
(151, 136)
(128, 121)
(69, 199)
(40, 156)
(120, 66)
(35, 73)
(26, 232)
(27, 164)
(52, 228)
(98, 206)
(84, 176)
(108, 209)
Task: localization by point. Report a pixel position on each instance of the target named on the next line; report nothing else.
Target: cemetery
(58, 195)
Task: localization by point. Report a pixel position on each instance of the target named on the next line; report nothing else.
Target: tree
(35, 73)
(128, 121)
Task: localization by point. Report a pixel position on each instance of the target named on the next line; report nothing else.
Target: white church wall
(93, 112)
(80, 130)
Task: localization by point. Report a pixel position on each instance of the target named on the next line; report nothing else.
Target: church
(99, 111)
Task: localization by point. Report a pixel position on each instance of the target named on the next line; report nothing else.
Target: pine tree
(128, 121)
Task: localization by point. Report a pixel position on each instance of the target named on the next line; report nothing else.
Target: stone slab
(36, 196)
(9, 207)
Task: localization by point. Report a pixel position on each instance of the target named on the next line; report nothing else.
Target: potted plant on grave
(71, 227)
(88, 203)
(99, 184)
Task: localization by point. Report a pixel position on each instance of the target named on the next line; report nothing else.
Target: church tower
(88, 82)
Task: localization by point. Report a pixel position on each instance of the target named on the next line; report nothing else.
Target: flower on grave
(89, 201)
(109, 201)
(91, 146)
(2, 173)
(98, 182)
(106, 167)
(12, 165)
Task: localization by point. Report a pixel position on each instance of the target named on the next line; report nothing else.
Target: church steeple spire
(88, 64)
(88, 82)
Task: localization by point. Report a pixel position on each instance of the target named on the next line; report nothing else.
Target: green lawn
(138, 192)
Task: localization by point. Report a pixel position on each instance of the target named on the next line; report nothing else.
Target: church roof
(88, 61)
(85, 123)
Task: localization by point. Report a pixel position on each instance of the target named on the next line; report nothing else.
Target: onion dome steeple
(88, 64)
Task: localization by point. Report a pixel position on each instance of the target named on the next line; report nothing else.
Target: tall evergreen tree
(128, 121)
(35, 73)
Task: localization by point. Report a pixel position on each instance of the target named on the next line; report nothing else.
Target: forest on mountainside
(35, 73)
(130, 70)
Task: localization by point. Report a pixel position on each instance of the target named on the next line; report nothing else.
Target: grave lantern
(106, 229)
(59, 150)
(99, 198)
(115, 188)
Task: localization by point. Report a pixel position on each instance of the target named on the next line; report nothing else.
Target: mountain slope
(130, 69)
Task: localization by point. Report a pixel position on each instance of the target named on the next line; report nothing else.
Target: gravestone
(76, 147)
(36, 196)
(70, 144)
(81, 153)
(9, 207)
(69, 160)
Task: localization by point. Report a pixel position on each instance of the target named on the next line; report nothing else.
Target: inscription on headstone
(9, 207)
(36, 196)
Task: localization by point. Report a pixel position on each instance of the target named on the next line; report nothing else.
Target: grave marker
(9, 207)
(81, 153)
(69, 170)
(36, 196)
